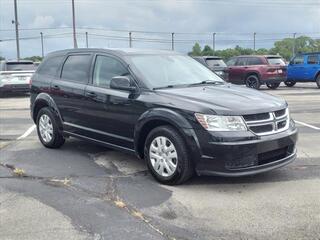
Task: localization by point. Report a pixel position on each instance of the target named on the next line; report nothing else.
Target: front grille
(268, 123)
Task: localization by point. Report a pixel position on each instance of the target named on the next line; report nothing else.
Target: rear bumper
(273, 79)
(15, 88)
(234, 159)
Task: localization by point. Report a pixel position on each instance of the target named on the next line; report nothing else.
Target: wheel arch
(45, 100)
(159, 117)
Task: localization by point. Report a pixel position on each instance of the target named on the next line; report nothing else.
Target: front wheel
(273, 85)
(318, 81)
(289, 83)
(167, 156)
(47, 129)
(252, 81)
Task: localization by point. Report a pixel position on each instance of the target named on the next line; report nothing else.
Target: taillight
(30, 82)
(272, 70)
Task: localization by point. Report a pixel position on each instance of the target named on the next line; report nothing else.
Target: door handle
(91, 94)
(56, 87)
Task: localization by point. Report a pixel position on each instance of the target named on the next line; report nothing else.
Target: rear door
(233, 70)
(68, 90)
(296, 68)
(312, 67)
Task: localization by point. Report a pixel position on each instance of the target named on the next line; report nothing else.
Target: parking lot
(84, 191)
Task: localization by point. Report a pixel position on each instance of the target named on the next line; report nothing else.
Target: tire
(273, 85)
(318, 80)
(180, 156)
(253, 81)
(49, 138)
(289, 83)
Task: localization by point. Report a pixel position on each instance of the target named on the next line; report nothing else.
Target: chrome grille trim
(272, 121)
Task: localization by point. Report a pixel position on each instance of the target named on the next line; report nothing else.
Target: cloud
(42, 22)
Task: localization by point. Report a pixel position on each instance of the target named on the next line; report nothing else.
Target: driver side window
(105, 69)
(298, 60)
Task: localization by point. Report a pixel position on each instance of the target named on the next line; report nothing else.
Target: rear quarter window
(51, 66)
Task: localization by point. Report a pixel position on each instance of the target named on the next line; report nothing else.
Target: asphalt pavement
(85, 191)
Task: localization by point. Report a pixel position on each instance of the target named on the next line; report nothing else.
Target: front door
(296, 68)
(111, 114)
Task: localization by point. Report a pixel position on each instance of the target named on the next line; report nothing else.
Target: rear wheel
(252, 81)
(318, 81)
(47, 129)
(167, 156)
(273, 85)
(289, 83)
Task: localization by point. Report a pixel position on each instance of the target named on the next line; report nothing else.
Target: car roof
(116, 51)
(263, 56)
(309, 53)
(206, 57)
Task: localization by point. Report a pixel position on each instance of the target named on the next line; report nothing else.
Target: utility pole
(254, 41)
(172, 41)
(294, 45)
(213, 43)
(16, 23)
(42, 51)
(87, 42)
(130, 39)
(75, 45)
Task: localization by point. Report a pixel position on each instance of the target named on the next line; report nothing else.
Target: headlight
(221, 123)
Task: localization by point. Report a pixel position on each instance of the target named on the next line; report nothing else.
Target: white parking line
(307, 125)
(27, 133)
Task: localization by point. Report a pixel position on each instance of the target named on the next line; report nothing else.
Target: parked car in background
(215, 64)
(164, 107)
(255, 70)
(15, 76)
(304, 68)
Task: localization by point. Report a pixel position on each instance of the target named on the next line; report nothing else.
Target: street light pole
(16, 23)
(42, 51)
(130, 39)
(75, 45)
(294, 45)
(254, 41)
(213, 43)
(172, 41)
(87, 41)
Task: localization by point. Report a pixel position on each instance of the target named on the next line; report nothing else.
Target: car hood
(224, 99)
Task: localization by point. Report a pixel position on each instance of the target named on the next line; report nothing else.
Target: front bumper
(241, 158)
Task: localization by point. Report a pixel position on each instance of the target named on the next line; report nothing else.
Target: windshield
(215, 63)
(171, 70)
(276, 61)
(20, 66)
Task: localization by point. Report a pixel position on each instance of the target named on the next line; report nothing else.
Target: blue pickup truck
(304, 68)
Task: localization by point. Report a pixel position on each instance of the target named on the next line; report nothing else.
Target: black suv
(163, 106)
(215, 64)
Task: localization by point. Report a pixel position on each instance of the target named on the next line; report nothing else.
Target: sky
(152, 22)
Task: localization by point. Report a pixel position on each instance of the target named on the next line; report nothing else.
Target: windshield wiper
(168, 86)
(206, 82)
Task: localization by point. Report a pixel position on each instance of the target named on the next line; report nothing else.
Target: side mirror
(122, 83)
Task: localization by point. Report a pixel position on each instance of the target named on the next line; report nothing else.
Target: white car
(15, 76)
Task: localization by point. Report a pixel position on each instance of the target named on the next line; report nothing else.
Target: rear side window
(215, 62)
(313, 59)
(242, 62)
(76, 68)
(298, 60)
(51, 66)
(105, 69)
(254, 61)
(276, 61)
(232, 62)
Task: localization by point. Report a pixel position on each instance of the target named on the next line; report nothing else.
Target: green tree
(196, 50)
(34, 58)
(207, 51)
(2, 58)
